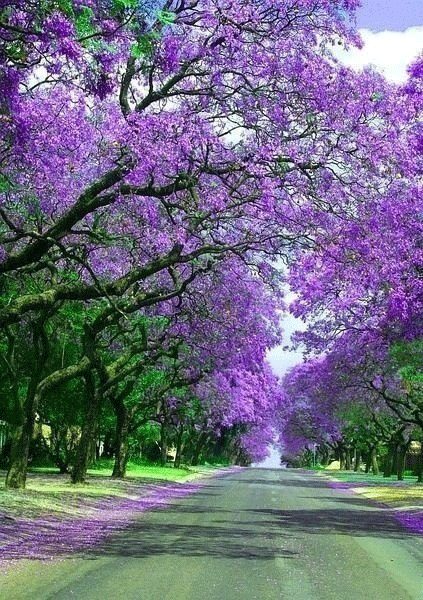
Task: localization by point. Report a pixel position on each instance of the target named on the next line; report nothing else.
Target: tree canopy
(165, 169)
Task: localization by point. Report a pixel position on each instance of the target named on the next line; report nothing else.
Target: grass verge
(53, 518)
(48, 493)
(386, 490)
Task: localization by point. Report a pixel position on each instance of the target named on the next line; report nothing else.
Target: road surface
(257, 534)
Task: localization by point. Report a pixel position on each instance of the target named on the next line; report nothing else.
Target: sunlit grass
(387, 490)
(394, 495)
(148, 471)
(50, 494)
(368, 478)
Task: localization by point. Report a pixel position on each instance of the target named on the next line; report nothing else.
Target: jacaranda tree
(143, 145)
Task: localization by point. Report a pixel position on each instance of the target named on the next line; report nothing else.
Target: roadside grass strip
(404, 499)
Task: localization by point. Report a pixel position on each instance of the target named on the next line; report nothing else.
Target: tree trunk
(420, 465)
(324, 460)
(342, 459)
(179, 447)
(357, 461)
(368, 462)
(59, 447)
(348, 459)
(79, 470)
(374, 463)
(394, 460)
(61, 463)
(163, 444)
(198, 448)
(26, 410)
(19, 451)
(122, 433)
(402, 452)
(388, 463)
(21, 438)
(121, 458)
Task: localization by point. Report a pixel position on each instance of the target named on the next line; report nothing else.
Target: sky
(392, 32)
(390, 15)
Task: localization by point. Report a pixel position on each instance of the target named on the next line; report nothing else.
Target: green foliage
(66, 7)
(152, 377)
(409, 373)
(84, 22)
(124, 4)
(47, 7)
(282, 165)
(16, 51)
(148, 432)
(166, 17)
(145, 44)
(408, 360)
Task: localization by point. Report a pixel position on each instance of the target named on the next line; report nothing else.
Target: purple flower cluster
(412, 520)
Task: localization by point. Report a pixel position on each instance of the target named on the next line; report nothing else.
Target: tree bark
(389, 461)
(402, 452)
(394, 460)
(25, 412)
(374, 463)
(19, 451)
(89, 429)
(122, 433)
(367, 465)
(163, 443)
(22, 436)
(401, 465)
(179, 447)
(341, 459)
(357, 461)
(57, 448)
(121, 459)
(202, 438)
(324, 459)
(420, 465)
(348, 459)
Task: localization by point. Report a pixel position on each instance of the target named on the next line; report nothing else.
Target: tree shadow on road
(370, 521)
(366, 502)
(235, 541)
(193, 509)
(297, 483)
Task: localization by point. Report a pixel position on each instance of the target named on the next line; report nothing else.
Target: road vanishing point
(256, 534)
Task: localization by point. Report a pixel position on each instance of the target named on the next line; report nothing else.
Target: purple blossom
(415, 70)
(59, 26)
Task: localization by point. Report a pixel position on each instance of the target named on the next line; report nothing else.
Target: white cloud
(388, 51)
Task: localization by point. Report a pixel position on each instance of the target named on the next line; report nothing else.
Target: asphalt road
(254, 535)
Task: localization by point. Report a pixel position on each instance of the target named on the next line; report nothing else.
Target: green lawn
(387, 490)
(168, 472)
(368, 478)
(48, 493)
